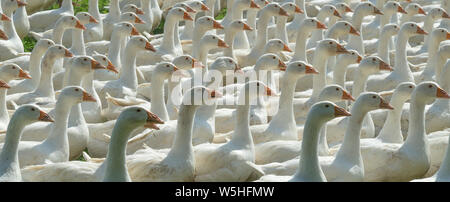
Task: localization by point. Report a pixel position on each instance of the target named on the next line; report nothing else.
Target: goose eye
(77, 89)
(48, 43)
(337, 89)
(327, 106)
(72, 18)
(208, 19)
(167, 66)
(186, 58)
(410, 86)
(32, 109)
(346, 24)
(442, 31)
(430, 86)
(374, 59)
(257, 84)
(128, 25)
(353, 53)
(85, 59)
(231, 61)
(141, 40)
(59, 48)
(138, 110)
(299, 65)
(274, 58)
(104, 59)
(131, 15)
(13, 67)
(214, 37)
(412, 25)
(331, 42)
(374, 97)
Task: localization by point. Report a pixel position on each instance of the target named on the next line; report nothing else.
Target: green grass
(82, 6)
(221, 14)
(160, 28)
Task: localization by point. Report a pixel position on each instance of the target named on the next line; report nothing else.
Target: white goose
(12, 47)
(325, 12)
(437, 36)
(237, 156)
(8, 72)
(112, 169)
(188, 31)
(280, 25)
(306, 27)
(21, 22)
(293, 27)
(310, 168)
(45, 20)
(110, 19)
(94, 31)
(412, 9)
(9, 156)
(230, 33)
(55, 148)
(202, 25)
(251, 21)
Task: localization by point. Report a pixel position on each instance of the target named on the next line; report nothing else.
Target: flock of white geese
(347, 90)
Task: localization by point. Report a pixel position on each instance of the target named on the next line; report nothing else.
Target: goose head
(138, 116)
(351, 57)
(10, 6)
(247, 4)
(392, 7)
(412, 29)
(329, 11)
(414, 8)
(59, 51)
(140, 43)
(12, 71)
(28, 114)
(86, 18)
(104, 61)
(131, 18)
(404, 90)
(313, 24)
(43, 45)
(427, 92)
(390, 29)
(260, 4)
(239, 25)
(440, 34)
(335, 93)
(208, 23)
(369, 101)
(126, 29)
(252, 90)
(72, 95)
(345, 27)
(211, 41)
(185, 6)
(132, 8)
(331, 47)
(179, 14)
(325, 111)
(368, 9)
(274, 9)
(299, 69)
(225, 65)
(276, 46)
(438, 13)
(70, 22)
(3, 35)
(198, 6)
(164, 70)
(372, 65)
(186, 62)
(85, 64)
(291, 8)
(269, 62)
(343, 8)
(199, 95)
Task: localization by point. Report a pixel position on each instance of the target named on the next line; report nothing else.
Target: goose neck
(383, 47)
(58, 134)
(391, 131)
(182, 145)
(4, 116)
(114, 51)
(237, 13)
(35, 66)
(10, 151)
(199, 33)
(229, 14)
(286, 106)
(439, 66)
(9, 27)
(401, 62)
(242, 135)
(416, 131)
(281, 27)
(45, 87)
(157, 95)
(444, 170)
(229, 39)
(360, 83)
(168, 42)
(128, 74)
(58, 33)
(309, 167)
(433, 55)
(93, 9)
(67, 5)
(320, 80)
(78, 48)
(261, 35)
(114, 8)
(340, 71)
(299, 17)
(300, 46)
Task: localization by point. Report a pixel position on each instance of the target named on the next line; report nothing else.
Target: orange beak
(401, 10)
(354, 31)
(311, 70)
(341, 49)
(254, 5)
(204, 7)
(359, 59)
(445, 15)
(24, 75)
(197, 64)
(222, 44)
(187, 17)
(5, 18)
(348, 9)
(283, 13)
(138, 20)
(282, 65)
(3, 35)
(238, 69)
(247, 27)
(88, 98)
(111, 67)
(385, 105)
(134, 31)
(338, 112)
(68, 54)
(93, 20)
(421, 31)
(190, 10)
(45, 117)
(175, 68)
(21, 3)
(217, 25)
(96, 65)
(149, 47)
(377, 11)
(385, 66)
(80, 26)
(336, 13)
(139, 11)
(298, 10)
(346, 96)
(152, 120)
(4, 85)
(321, 25)
(448, 35)
(441, 93)
(286, 48)
(215, 94)
(421, 11)
(268, 91)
